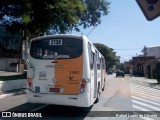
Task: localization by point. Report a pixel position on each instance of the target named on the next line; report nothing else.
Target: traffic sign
(150, 8)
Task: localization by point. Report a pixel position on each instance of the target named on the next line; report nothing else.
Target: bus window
(103, 63)
(91, 54)
(98, 60)
(66, 48)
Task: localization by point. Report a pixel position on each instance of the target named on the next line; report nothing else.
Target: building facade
(152, 51)
(148, 64)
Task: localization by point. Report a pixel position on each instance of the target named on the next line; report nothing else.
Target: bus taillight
(83, 84)
(29, 81)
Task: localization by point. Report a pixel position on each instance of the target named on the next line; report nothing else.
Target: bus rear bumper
(68, 100)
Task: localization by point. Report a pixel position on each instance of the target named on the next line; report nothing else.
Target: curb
(10, 85)
(6, 95)
(12, 93)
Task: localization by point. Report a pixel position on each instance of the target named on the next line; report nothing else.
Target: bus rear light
(84, 81)
(29, 81)
(82, 85)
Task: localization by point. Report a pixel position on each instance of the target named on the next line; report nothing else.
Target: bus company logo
(6, 114)
(22, 115)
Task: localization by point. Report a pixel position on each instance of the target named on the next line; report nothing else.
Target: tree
(121, 66)
(108, 53)
(33, 18)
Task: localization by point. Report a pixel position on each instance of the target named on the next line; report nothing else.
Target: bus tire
(98, 94)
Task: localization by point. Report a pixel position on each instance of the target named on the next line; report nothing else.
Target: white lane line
(141, 93)
(140, 108)
(152, 102)
(147, 91)
(144, 87)
(146, 97)
(146, 105)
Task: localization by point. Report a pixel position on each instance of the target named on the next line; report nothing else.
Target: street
(123, 98)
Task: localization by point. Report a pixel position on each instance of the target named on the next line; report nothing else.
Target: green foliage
(35, 17)
(95, 10)
(108, 53)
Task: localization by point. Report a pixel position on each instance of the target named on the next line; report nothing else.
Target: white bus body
(64, 70)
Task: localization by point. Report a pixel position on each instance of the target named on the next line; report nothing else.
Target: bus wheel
(98, 94)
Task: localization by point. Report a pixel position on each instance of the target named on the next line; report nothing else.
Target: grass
(14, 77)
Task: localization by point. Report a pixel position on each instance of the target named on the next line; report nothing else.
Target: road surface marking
(138, 98)
(143, 94)
(148, 92)
(146, 105)
(145, 97)
(143, 109)
(140, 108)
(145, 88)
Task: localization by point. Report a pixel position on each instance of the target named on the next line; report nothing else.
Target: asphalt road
(123, 99)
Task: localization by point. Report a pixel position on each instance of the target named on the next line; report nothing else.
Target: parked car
(119, 73)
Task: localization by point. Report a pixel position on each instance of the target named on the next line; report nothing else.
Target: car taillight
(29, 80)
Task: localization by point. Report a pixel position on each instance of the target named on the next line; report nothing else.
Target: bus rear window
(56, 48)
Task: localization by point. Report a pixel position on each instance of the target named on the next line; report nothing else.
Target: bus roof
(59, 35)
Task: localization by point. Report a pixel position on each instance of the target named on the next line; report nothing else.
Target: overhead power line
(91, 31)
(125, 30)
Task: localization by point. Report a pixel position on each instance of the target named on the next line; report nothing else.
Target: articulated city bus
(64, 70)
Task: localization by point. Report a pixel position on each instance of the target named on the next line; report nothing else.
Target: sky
(125, 29)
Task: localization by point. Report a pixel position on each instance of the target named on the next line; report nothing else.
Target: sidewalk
(12, 93)
(5, 73)
(11, 86)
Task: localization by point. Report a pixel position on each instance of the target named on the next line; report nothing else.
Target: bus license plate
(54, 89)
